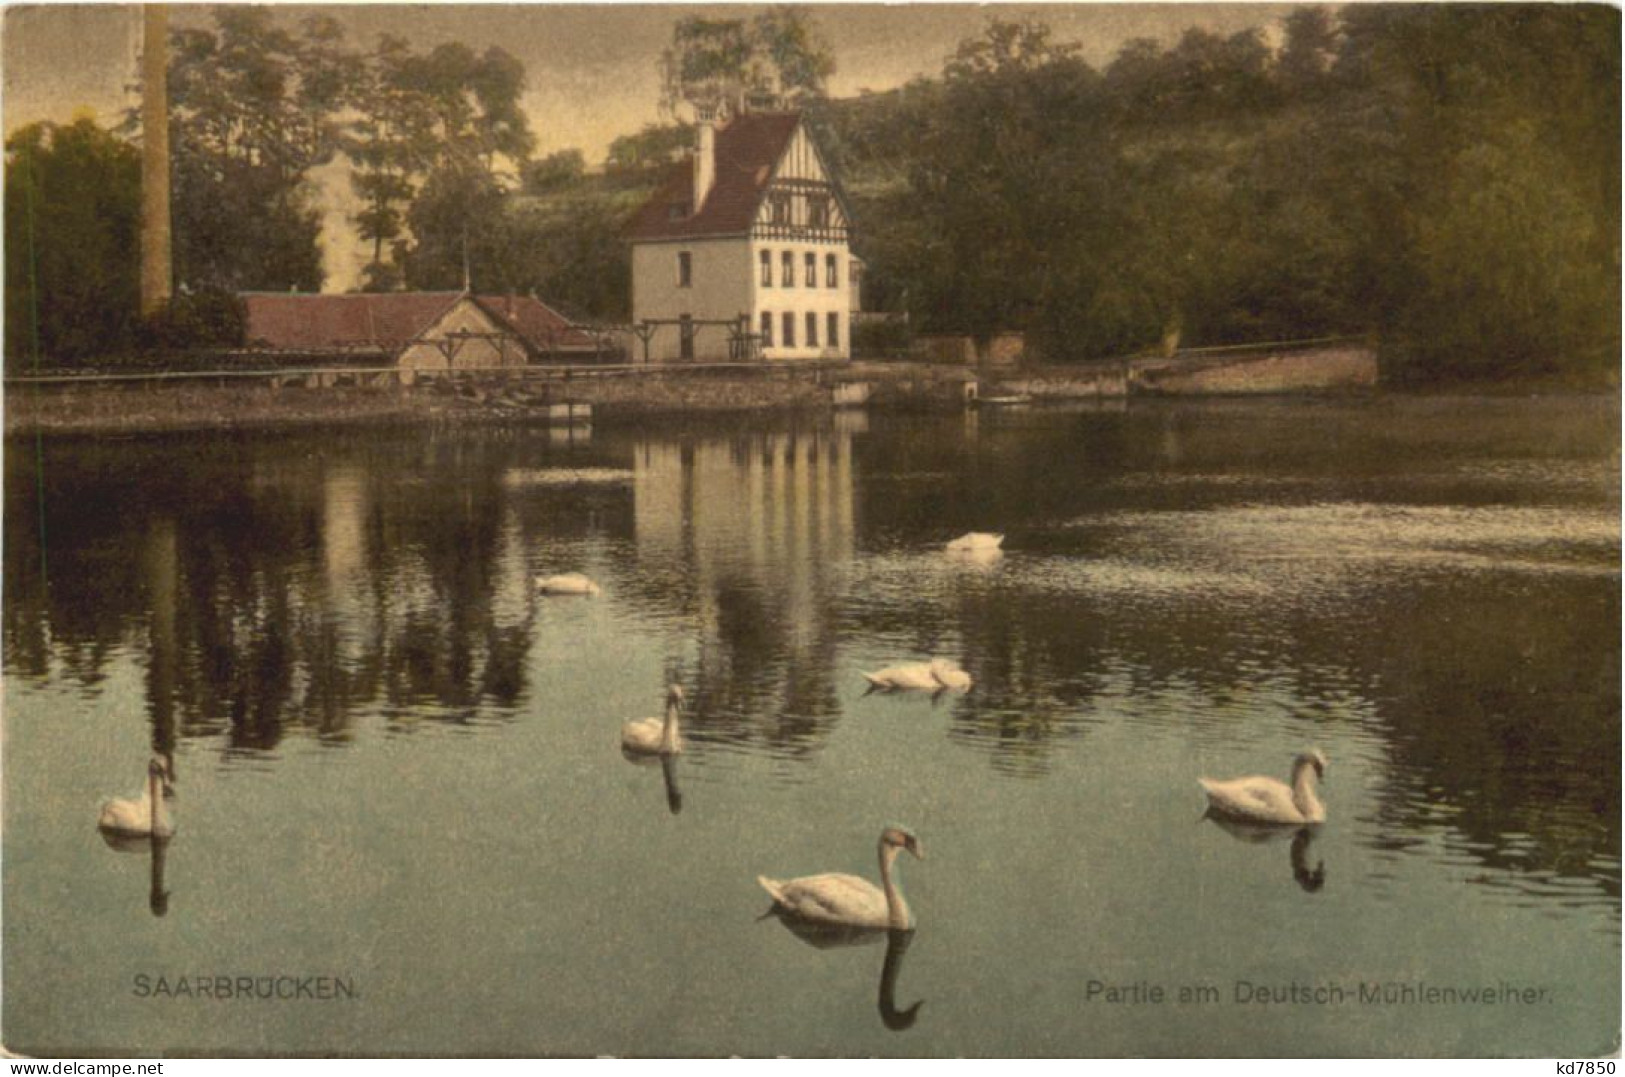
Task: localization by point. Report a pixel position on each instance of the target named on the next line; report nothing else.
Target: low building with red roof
(745, 248)
(423, 330)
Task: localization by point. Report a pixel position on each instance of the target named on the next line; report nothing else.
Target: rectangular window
(685, 342)
(767, 269)
(787, 269)
(789, 340)
(812, 330)
(830, 272)
(817, 212)
(832, 336)
(810, 270)
(781, 209)
(767, 329)
(685, 269)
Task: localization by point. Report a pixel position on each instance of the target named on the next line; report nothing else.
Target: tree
(73, 207)
(210, 317)
(780, 54)
(798, 59)
(1002, 175)
(383, 143)
(253, 108)
(466, 142)
(1309, 50)
(554, 172)
(644, 156)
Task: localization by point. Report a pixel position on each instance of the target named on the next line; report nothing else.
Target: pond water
(398, 779)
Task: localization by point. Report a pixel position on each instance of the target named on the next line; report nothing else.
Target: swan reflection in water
(668, 770)
(834, 936)
(157, 896)
(1310, 880)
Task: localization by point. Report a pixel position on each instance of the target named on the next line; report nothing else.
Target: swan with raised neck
(839, 898)
(1271, 801)
(144, 816)
(656, 736)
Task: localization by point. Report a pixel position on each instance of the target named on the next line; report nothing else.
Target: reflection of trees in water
(1507, 713)
(1495, 696)
(285, 582)
(761, 523)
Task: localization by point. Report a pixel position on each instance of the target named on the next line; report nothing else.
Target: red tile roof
(747, 149)
(387, 321)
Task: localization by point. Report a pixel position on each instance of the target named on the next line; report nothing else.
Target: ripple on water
(1285, 545)
(1121, 577)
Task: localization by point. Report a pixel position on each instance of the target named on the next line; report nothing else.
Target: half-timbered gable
(801, 202)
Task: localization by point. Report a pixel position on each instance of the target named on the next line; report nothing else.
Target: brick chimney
(705, 153)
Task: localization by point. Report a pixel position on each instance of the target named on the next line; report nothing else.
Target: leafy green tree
(779, 53)
(384, 143)
(643, 158)
(211, 317)
(554, 172)
(1308, 52)
(467, 140)
(73, 210)
(1003, 174)
(253, 108)
(797, 57)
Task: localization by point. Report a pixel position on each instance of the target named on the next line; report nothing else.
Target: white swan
(656, 736)
(837, 898)
(143, 817)
(568, 583)
(915, 676)
(948, 675)
(976, 540)
(1269, 800)
(978, 557)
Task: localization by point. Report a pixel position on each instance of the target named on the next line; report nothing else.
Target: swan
(144, 817)
(568, 583)
(1268, 800)
(656, 736)
(978, 557)
(975, 540)
(838, 898)
(914, 676)
(948, 675)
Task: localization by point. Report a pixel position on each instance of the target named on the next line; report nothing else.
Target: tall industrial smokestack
(156, 267)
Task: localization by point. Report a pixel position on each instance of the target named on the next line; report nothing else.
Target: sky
(591, 68)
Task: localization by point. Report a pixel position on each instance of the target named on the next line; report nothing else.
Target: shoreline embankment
(111, 407)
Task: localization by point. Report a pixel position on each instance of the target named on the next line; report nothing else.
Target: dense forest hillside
(1444, 177)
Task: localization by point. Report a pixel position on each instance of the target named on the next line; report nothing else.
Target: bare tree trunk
(156, 267)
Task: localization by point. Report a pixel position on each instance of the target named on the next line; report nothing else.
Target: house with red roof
(423, 330)
(745, 250)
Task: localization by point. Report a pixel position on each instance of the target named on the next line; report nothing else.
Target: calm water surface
(399, 767)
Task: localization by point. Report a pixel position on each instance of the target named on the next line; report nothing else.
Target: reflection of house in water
(762, 523)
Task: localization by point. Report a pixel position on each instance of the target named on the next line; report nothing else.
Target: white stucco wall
(800, 299)
(720, 290)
